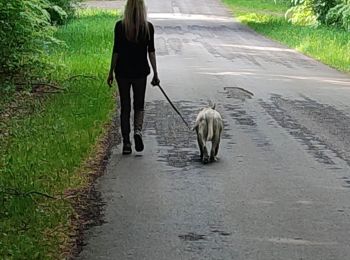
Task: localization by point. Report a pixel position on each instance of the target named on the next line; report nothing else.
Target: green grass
(45, 150)
(328, 45)
(258, 6)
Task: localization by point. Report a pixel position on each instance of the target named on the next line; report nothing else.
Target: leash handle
(173, 106)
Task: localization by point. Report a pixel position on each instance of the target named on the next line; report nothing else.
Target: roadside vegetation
(27, 36)
(54, 109)
(317, 28)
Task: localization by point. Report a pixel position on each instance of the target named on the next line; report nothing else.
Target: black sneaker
(127, 148)
(138, 141)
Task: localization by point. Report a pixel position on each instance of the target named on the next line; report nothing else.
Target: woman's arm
(152, 56)
(114, 59)
(111, 70)
(113, 62)
(153, 60)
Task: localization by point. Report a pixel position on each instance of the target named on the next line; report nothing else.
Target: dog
(208, 126)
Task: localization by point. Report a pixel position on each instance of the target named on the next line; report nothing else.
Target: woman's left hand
(110, 79)
(155, 81)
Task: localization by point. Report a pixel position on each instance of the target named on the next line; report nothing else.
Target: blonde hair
(135, 20)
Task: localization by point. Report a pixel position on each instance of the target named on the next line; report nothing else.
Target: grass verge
(43, 152)
(328, 45)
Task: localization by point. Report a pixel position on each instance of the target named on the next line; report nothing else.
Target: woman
(133, 39)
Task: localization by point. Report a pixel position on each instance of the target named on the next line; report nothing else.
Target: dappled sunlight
(255, 18)
(319, 79)
(258, 48)
(186, 17)
(295, 241)
(228, 73)
(92, 12)
(329, 80)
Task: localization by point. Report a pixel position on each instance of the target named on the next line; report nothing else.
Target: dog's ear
(212, 105)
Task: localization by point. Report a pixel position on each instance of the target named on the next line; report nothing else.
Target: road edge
(86, 201)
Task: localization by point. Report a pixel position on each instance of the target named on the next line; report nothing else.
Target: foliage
(301, 13)
(44, 150)
(317, 12)
(57, 14)
(321, 8)
(68, 6)
(26, 33)
(26, 37)
(339, 16)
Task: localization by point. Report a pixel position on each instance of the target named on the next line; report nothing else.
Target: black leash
(171, 103)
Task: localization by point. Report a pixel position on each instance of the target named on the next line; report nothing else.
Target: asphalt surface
(281, 188)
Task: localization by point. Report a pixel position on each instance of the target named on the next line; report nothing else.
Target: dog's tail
(210, 125)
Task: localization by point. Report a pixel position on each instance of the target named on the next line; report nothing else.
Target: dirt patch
(87, 201)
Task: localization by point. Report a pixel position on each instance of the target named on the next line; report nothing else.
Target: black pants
(139, 90)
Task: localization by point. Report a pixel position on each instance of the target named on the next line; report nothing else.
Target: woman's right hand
(110, 79)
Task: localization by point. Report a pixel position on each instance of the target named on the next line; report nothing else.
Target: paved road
(281, 189)
(100, 4)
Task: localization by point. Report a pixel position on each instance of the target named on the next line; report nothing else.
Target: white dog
(209, 126)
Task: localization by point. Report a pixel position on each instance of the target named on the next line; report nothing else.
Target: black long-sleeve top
(132, 59)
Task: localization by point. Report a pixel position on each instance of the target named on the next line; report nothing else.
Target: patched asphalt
(281, 187)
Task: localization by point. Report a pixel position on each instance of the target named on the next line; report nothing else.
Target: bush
(67, 5)
(302, 13)
(26, 33)
(346, 18)
(322, 7)
(315, 12)
(26, 36)
(57, 15)
(339, 16)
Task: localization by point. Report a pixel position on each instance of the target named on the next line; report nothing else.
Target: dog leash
(173, 106)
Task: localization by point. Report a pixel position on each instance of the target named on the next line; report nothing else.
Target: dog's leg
(217, 145)
(202, 133)
(214, 149)
(200, 144)
(214, 153)
(205, 155)
(203, 149)
(219, 139)
(215, 141)
(217, 149)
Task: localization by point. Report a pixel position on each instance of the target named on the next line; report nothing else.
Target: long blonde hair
(135, 20)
